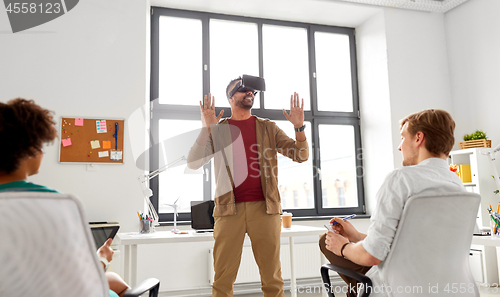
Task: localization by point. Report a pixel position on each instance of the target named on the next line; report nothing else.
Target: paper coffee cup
(286, 219)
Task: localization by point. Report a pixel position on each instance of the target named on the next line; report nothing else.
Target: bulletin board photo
(91, 141)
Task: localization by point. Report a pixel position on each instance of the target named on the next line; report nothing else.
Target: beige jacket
(270, 140)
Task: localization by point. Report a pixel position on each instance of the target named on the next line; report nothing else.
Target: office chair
(46, 249)
(431, 247)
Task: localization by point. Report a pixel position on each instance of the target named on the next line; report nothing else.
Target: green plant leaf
(475, 136)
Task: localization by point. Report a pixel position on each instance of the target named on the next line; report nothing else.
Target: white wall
(403, 69)
(90, 62)
(375, 105)
(418, 65)
(473, 31)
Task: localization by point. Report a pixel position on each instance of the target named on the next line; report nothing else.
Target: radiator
(307, 263)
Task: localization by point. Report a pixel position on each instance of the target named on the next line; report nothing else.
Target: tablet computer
(102, 231)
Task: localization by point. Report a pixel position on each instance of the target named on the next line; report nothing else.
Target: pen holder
(495, 231)
(146, 226)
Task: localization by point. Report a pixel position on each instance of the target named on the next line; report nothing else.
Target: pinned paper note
(106, 144)
(66, 142)
(101, 126)
(78, 122)
(103, 154)
(95, 144)
(116, 155)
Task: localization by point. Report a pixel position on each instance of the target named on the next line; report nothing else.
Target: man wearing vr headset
(247, 198)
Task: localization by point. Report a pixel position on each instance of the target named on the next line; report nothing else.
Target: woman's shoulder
(24, 186)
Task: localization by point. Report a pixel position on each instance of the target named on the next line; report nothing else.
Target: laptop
(202, 219)
(101, 231)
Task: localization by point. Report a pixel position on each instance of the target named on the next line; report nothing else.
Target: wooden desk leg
(126, 263)
(293, 277)
(133, 266)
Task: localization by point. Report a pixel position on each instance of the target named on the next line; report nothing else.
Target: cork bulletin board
(91, 141)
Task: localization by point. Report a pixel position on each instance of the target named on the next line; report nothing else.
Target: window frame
(316, 117)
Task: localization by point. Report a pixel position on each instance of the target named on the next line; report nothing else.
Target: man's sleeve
(385, 218)
(298, 151)
(200, 155)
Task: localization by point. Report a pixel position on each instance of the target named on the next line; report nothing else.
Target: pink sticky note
(78, 122)
(66, 142)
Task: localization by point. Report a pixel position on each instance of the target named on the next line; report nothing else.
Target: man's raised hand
(296, 116)
(207, 109)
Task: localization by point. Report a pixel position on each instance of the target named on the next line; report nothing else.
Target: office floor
(490, 292)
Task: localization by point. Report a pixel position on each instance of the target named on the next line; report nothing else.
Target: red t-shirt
(246, 173)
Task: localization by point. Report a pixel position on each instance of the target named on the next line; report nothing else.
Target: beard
(245, 103)
(410, 161)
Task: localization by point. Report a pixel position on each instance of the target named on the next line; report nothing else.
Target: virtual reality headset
(248, 83)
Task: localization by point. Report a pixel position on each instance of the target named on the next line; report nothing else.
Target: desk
(486, 240)
(489, 264)
(130, 241)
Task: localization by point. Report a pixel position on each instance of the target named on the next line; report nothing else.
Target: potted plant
(476, 139)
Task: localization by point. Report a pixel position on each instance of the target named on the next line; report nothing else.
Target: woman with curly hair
(25, 128)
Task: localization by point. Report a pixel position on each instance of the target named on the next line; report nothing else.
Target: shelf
(468, 151)
(482, 184)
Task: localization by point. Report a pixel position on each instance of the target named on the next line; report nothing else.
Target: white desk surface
(486, 240)
(169, 237)
(163, 237)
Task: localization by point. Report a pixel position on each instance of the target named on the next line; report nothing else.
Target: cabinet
(483, 264)
(482, 257)
(482, 181)
(476, 265)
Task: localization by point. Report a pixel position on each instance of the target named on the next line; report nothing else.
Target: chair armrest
(361, 278)
(151, 284)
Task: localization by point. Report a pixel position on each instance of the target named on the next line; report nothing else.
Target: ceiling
(324, 12)
(348, 13)
(439, 6)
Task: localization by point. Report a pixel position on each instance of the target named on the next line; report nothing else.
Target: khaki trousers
(264, 231)
(340, 261)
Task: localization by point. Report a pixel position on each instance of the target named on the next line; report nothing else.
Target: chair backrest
(46, 248)
(431, 247)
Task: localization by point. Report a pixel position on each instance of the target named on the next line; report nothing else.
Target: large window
(193, 54)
